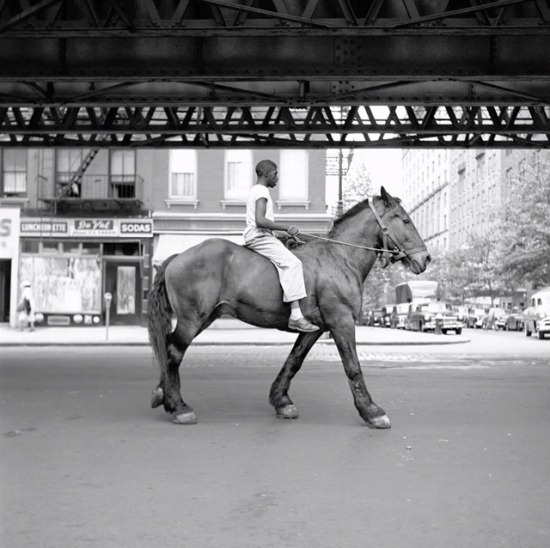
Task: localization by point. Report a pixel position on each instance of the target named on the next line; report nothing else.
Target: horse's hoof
(379, 422)
(288, 412)
(185, 418)
(157, 397)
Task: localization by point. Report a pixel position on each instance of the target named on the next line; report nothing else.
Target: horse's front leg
(344, 337)
(278, 395)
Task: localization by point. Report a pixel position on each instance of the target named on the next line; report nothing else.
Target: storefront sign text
(31, 227)
(136, 227)
(88, 228)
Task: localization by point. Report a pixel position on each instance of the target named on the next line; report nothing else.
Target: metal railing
(92, 187)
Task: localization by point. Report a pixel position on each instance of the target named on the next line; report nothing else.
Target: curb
(219, 343)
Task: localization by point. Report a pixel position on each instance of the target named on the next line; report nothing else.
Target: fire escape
(77, 191)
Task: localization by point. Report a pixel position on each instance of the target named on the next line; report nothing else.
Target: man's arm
(263, 222)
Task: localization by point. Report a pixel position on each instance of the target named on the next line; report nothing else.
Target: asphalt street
(85, 462)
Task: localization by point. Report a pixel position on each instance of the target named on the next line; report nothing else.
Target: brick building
(81, 223)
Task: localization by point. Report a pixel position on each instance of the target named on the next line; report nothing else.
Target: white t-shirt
(251, 230)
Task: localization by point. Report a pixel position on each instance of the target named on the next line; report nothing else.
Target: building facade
(87, 226)
(453, 193)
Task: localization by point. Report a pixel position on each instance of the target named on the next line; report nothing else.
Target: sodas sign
(136, 228)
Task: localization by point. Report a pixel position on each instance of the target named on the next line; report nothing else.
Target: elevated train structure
(275, 73)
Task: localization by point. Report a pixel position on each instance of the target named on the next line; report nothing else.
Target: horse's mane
(357, 208)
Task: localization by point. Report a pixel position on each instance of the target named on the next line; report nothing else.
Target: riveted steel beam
(300, 127)
(73, 70)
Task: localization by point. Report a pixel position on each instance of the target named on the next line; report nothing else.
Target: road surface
(86, 463)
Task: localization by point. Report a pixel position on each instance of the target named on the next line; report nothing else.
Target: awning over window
(168, 244)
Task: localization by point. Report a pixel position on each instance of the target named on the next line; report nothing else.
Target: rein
(347, 243)
(398, 253)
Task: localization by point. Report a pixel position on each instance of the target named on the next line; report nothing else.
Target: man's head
(266, 170)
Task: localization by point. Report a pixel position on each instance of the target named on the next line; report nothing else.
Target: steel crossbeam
(312, 127)
(274, 72)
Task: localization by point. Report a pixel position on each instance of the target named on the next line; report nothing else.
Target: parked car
(490, 320)
(461, 313)
(474, 318)
(510, 321)
(389, 314)
(536, 318)
(402, 314)
(372, 317)
(424, 316)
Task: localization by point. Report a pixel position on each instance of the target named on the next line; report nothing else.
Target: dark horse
(219, 277)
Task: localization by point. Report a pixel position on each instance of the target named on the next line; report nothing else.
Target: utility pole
(340, 203)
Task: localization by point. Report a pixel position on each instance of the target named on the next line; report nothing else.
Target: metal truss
(272, 73)
(298, 127)
(105, 16)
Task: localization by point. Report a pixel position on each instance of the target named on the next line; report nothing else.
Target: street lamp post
(340, 203)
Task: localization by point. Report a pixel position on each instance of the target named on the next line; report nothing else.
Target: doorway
(123, 282)
(5, 289)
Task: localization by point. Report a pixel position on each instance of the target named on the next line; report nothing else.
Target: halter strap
(399, 252)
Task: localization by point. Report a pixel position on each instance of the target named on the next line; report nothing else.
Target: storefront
(73, 263)
(9, 262)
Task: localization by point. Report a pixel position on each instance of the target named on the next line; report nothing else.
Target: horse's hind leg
(278, 395)
(168, 392)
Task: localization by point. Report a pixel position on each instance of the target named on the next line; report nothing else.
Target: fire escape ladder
(73, 187)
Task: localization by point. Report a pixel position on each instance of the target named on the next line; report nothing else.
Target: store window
(183, 174)
(293, 175)
(14, 172)
(238, 174)
(62, 280)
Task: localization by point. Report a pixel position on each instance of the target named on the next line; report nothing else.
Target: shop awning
(168, 244)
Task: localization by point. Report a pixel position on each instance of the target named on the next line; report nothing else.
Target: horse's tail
(159, 312)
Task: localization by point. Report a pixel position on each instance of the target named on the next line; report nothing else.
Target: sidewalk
(222, 332)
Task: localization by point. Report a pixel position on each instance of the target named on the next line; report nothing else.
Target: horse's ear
(385, 196)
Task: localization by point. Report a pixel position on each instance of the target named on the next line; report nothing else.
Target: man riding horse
(219, 277)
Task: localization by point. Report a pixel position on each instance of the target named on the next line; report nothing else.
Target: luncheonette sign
(88, 228)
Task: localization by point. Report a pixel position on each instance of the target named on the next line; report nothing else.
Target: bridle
(397, 253)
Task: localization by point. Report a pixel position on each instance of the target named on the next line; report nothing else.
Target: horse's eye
(406, 220)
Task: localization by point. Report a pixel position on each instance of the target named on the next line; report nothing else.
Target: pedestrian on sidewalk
(26, 308)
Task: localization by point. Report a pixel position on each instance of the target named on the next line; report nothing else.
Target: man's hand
(292, 231)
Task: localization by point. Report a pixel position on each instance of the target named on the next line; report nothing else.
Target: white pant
(288, 266)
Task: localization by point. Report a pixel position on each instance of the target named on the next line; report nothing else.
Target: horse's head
(399, 234)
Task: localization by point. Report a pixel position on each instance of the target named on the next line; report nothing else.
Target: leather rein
(398, 253)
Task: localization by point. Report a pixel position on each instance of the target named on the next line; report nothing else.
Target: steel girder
(299, 73)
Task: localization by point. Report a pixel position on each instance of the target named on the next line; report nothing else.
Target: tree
(525, 246)
(357, 187)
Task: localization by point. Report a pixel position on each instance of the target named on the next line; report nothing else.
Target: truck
(536, 317)
(408, 295)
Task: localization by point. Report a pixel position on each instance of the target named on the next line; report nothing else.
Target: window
(238, 174)
(123, 166)
(68, 162)
(123, 174)
(183, 174)
(293, 175)
(14, 172)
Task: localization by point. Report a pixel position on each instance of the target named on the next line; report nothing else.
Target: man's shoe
(301, 324)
